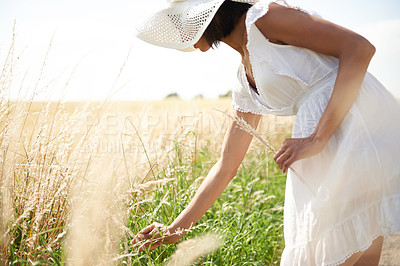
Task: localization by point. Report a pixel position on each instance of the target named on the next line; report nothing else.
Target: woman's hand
(294, 149)
(234, 148)
(156, 234)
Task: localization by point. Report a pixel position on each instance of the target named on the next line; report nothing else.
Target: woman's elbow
(357, 52)
(364, 50)
(369, 49)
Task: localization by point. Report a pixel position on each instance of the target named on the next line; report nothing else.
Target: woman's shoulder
(257, 13)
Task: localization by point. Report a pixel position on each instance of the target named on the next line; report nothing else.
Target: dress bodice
(283, 74)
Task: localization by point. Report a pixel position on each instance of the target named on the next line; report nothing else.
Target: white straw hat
(182, 24)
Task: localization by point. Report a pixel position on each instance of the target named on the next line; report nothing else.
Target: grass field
(80, 180)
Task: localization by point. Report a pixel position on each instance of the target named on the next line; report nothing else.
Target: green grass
(248, 215)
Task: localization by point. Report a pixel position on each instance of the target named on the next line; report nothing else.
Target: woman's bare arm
(234, 148)
(297, 28)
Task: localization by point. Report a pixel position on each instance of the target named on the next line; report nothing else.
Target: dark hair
(224, 21)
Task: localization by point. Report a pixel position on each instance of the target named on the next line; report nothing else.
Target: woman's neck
(238, 37)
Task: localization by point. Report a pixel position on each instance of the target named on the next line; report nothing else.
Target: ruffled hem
(353, 235)
(355, 251)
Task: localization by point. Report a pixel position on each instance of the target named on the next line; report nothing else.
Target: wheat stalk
(242, 124)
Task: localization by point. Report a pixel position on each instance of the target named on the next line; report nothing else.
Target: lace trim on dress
(287, 110)
(247, 110)
(354, 252)
(273, 69)
(381, 210)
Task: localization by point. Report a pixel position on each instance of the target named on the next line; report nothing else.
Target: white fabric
(355, 179)
(181, 25)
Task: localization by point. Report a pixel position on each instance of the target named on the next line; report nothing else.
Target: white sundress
(352, 194)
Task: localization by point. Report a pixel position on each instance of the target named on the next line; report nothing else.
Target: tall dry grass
(68, 177)
(66, 192)
(75, 177)
(61, 200)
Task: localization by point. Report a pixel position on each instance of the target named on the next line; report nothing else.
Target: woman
(346, 136)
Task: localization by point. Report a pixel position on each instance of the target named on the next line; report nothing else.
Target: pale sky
(95, 37)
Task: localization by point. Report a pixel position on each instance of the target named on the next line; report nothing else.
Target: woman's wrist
(176, 230)
(319, 139)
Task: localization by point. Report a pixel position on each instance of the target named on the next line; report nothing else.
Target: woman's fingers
(289, 153)
(285, 152)
(151, 244)
(281, 159)
(286, 160)
(147, 230)
(152, 234)
(295, 149)
(281, 150)
(145, 233)
(139, 237)
(288, 163)
(154, 239)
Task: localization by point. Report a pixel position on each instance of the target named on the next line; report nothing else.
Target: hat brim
(179, 26)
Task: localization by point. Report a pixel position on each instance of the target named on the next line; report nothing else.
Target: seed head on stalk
(243, 125)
